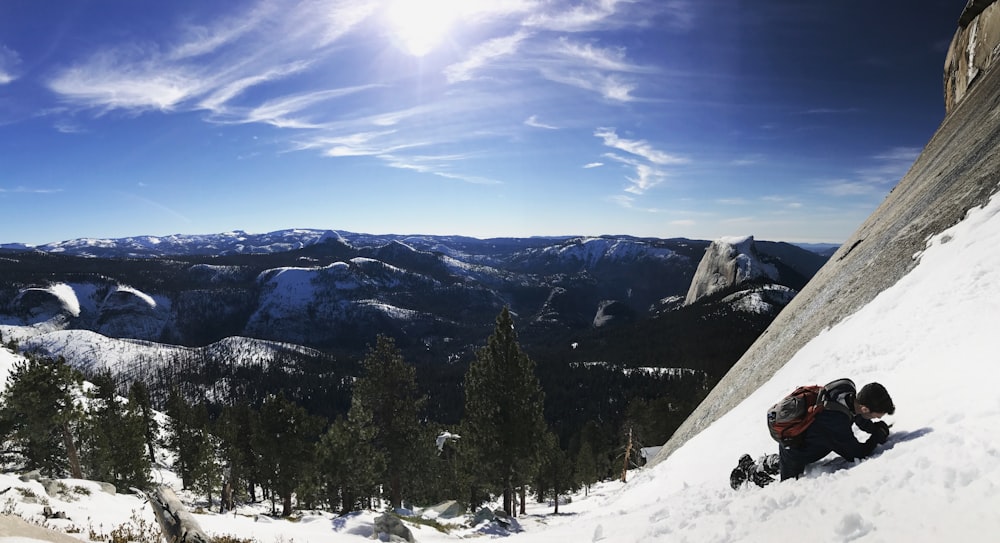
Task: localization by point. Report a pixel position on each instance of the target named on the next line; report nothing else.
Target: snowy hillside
(929, 339)
(93, 353)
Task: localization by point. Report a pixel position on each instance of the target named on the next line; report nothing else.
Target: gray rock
(392, 528)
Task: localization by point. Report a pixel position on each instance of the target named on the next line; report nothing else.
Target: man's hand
(880, 432)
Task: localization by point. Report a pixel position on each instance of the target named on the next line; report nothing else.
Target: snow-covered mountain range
(328, 289)
(150, 308)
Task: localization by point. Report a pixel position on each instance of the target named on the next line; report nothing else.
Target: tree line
(270, 447)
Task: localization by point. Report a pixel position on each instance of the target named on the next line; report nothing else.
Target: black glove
(880, 432)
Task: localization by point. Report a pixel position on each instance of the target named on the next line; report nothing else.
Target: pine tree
(114, 443)
(586, 466)
(138, 396)
(39, 412)
(555, 472)
(188, 437)
(348, 460)
(503, 424)
(285, 438)
(241, 471)
(388, 390)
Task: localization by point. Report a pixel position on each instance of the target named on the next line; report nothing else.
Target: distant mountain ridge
(332, 290)
(240, 242)
(235, 310)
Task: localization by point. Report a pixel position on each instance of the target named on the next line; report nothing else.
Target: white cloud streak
(612, 59)
(887, 169)
(482, 55)
(640, 148)
(9, 60)
(28, 190)
(646, 160)
(580, 18)
(535, 123)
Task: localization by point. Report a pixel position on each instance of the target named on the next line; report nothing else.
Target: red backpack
(787, 419)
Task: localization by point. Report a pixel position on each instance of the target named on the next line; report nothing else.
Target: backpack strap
(838, 396)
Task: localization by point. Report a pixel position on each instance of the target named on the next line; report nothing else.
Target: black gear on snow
(741, 473)
(760, 473)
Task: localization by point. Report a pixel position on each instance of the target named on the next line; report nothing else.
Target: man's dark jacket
(831, 431)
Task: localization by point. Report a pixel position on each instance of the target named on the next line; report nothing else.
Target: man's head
(874, 402)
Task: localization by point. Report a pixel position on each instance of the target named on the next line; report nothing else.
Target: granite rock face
(973, 49)
(728, 262)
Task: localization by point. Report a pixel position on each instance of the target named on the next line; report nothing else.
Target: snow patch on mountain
(766, 299)
(91, 352)
(589, 251)
(61, 296)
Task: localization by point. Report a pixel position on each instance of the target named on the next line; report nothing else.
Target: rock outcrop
(727, 263)
(959, 169)
(973, 49)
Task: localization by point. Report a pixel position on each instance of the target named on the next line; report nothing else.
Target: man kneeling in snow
(830, 431)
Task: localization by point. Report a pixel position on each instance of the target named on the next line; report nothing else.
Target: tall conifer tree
(39, 412)
(388, 391)
(348, 461)
(115, 442)
(285, 438)
(503, 426)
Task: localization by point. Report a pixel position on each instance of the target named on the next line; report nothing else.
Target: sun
(418, 26)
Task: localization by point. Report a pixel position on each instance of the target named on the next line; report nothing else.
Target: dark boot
(741, 473)
(760, 478)
(771, 464)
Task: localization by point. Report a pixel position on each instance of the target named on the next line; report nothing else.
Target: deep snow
(928, 339)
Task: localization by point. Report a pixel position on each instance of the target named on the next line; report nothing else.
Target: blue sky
(668, 118)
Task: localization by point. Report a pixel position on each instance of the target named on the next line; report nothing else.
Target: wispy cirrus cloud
(640, 148)
(612, 59)
(280, 111)
(611, 87)
(886, 169)
(439, 165)
(602, 70)
(9, 60)
(210, 65)
(127, 79)
(846, 187)
(535, 123)
(583, 17)
(646, 160)
(592, 165)
(28, 190)
(482, 55)
(218, 99)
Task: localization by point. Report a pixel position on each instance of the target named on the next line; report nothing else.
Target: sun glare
(420, 25)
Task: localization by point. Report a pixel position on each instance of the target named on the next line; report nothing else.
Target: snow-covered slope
(93, 353)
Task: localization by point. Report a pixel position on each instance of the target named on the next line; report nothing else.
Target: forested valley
(305, 432)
